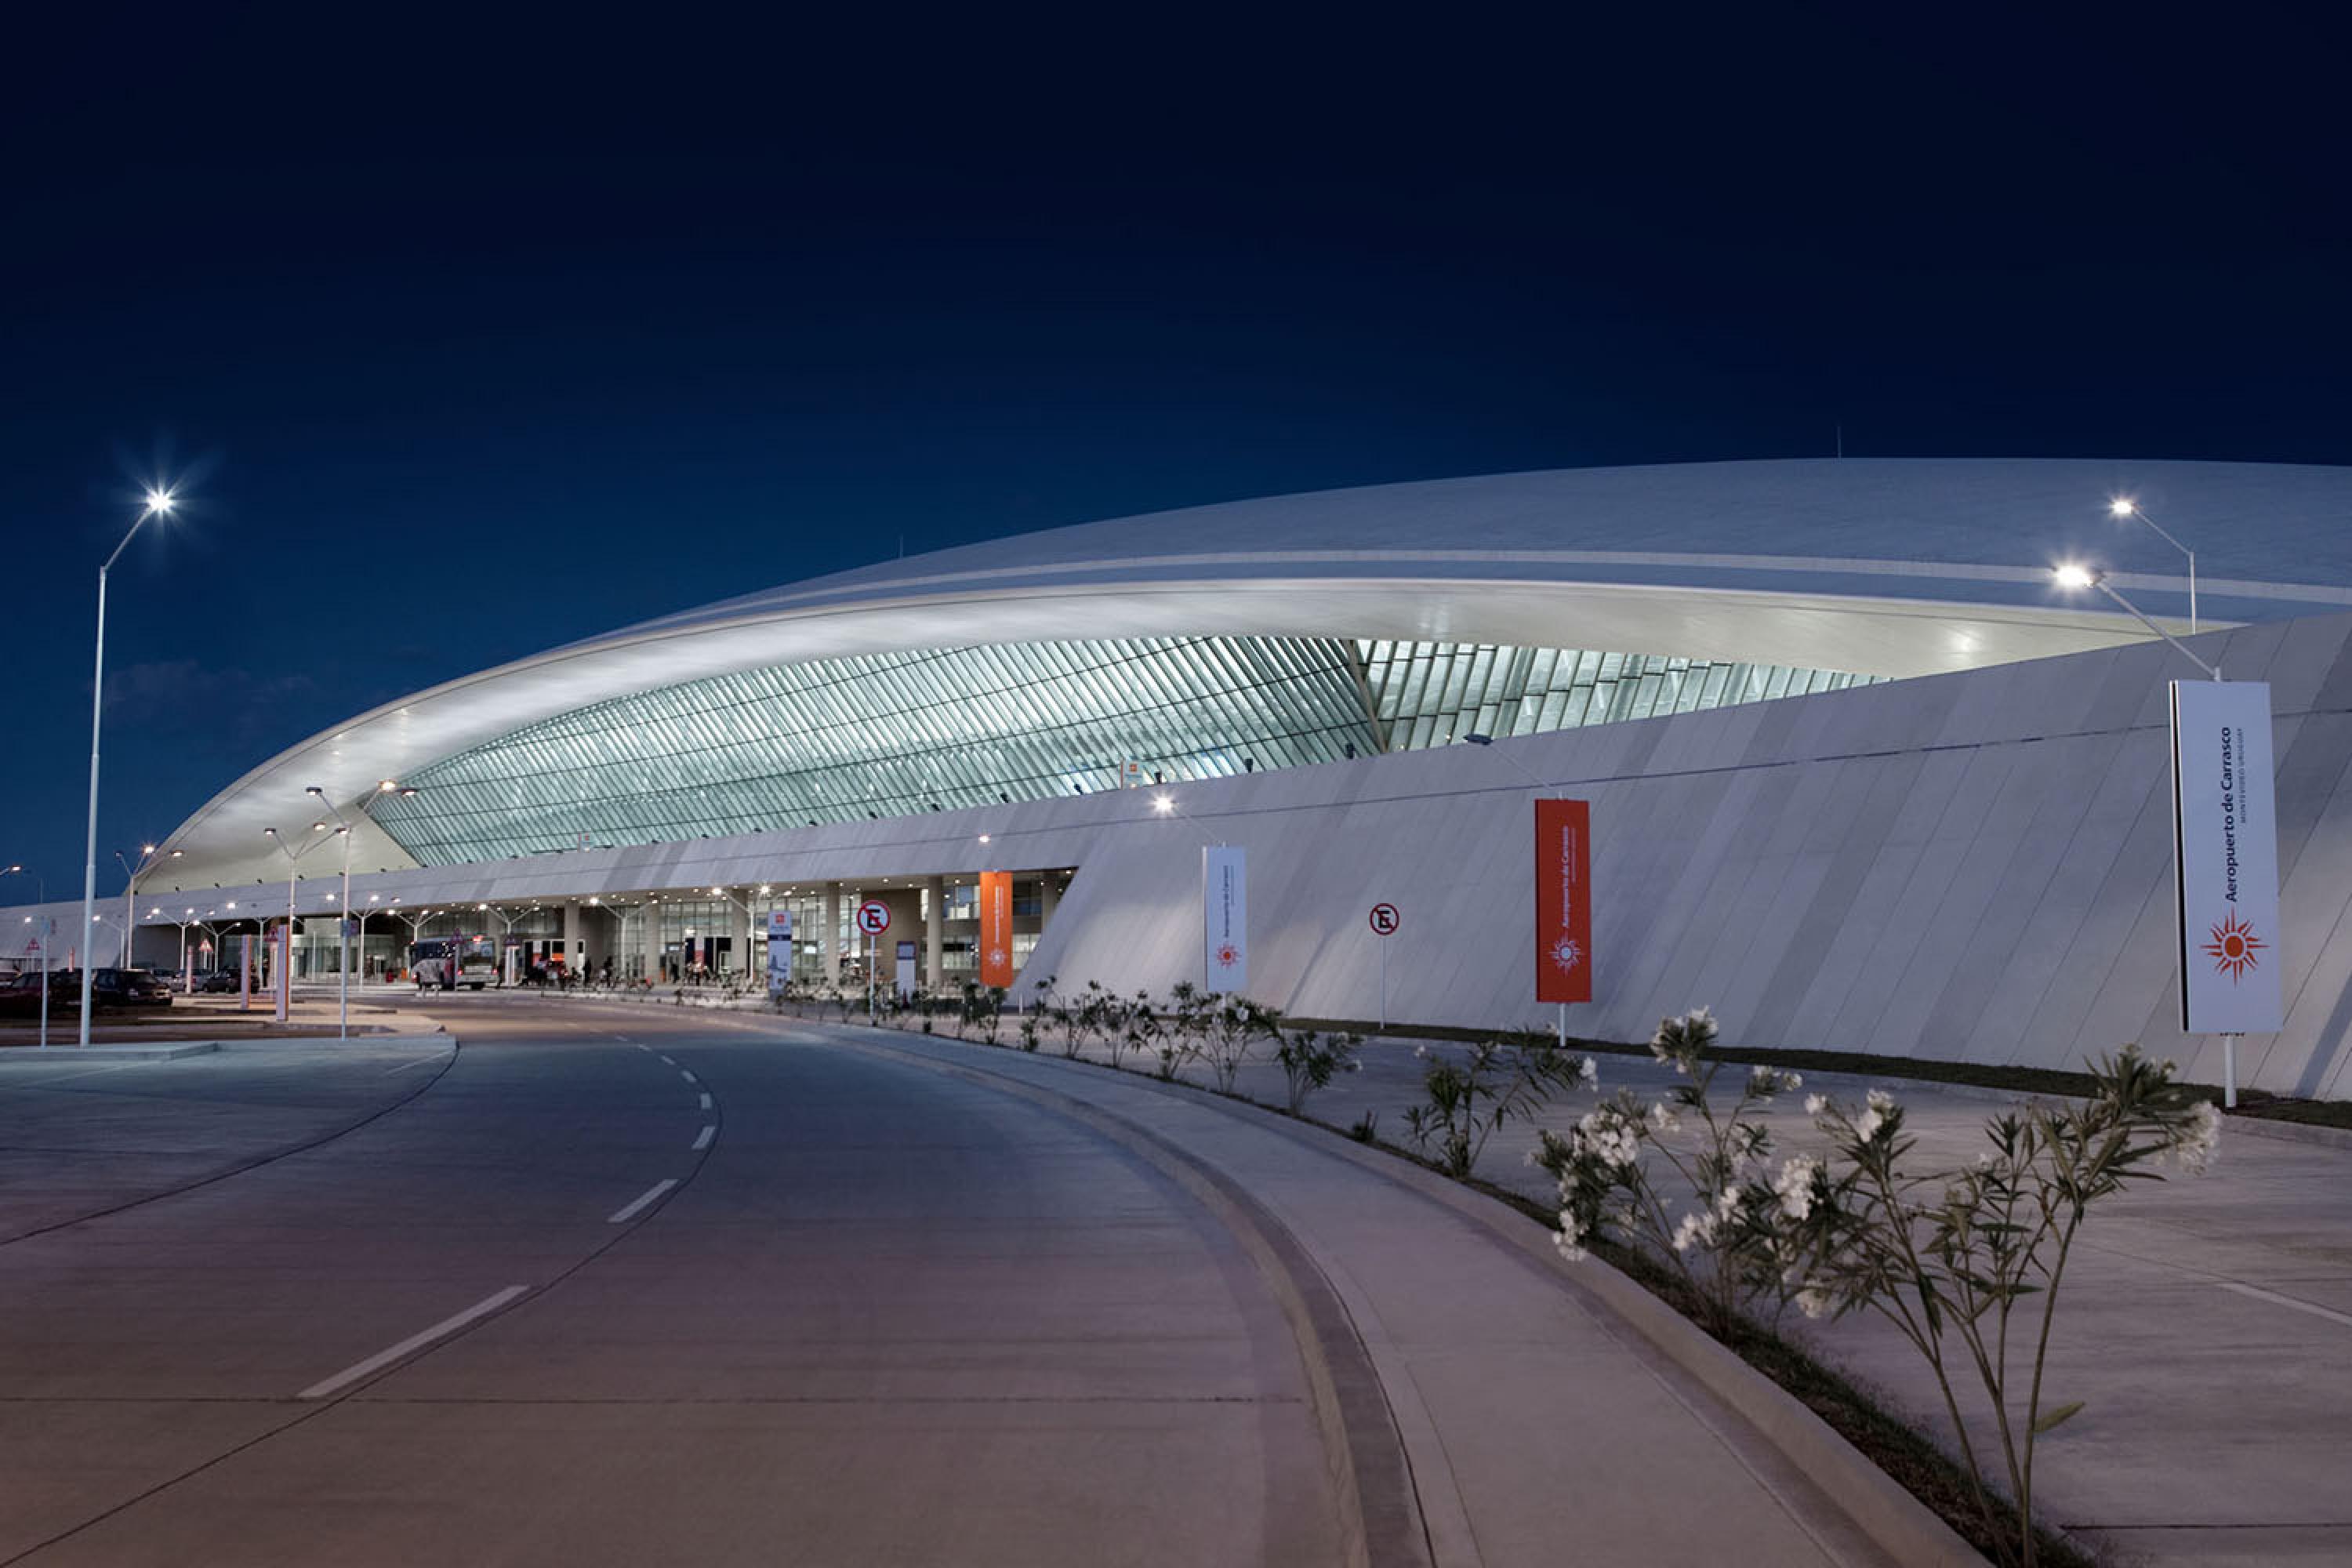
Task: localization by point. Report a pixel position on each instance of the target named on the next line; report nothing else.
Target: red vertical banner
(1563, 900)
(996, 928)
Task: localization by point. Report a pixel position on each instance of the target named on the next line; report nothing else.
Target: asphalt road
(622, 1289)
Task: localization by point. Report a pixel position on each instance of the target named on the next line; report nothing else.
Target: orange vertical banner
(1563, 900)
(996, 928)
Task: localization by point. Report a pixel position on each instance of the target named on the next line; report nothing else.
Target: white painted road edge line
(706, 1099)
(671, 1061)
(414, 1343)
(2259, 1294)
(702, 1139)
(689, 1077)
(417, 1063)
(649, 1196)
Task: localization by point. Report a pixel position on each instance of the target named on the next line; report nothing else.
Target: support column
(740, 949)
(650, 917)
(829, 933)
(935, 945)
(575, 960)
(1049, 894)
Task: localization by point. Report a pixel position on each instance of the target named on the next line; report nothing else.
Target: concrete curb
(1381, 1522)
(1898, 1523)
(120, 1051)
(2288, 1131)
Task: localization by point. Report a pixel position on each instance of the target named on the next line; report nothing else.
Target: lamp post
(46, 937)
(2072, 576)
(159, 503)
(293, 859)
(343, 905)
(751, 920)
(148, 855)
(2123, 507)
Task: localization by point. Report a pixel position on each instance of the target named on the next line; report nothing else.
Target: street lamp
(159, 503)
(293, 858)
(2123, 506)
(2074, 575)
(148, 855)
(46, 937)
(343, 905)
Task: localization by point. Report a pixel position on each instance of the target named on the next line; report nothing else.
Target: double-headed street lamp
(159, 503)
(343, 905)
(2074, 575)
(293, 859)
(148, 855)
(2124, 507)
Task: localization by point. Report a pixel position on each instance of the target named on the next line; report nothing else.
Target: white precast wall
(1974, 866)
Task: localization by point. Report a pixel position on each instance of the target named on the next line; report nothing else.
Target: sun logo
(996, 956)
(1228, 955)
(1567, 952)
(2234, 947)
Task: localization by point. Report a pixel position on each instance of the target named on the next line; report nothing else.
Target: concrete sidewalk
(1539, 1425)
(2207, 1324)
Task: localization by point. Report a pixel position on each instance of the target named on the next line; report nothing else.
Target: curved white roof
(1891, 567)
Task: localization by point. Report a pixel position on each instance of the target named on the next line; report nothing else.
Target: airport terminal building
(1864, 775)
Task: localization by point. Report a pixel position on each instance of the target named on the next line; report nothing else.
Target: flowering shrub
(1950, 1258)
(1724, 1240)
(1966, 1264)
(1494, 1082)
(1310, 1061)
(1228, 1030)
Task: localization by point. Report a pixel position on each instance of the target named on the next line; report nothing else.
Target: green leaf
(2054, 1418)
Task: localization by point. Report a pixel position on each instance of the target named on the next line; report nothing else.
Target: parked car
(129, 988)
(20, 995)
(109, 988)
(219, 980)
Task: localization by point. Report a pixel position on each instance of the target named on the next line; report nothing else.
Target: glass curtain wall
(898, 735)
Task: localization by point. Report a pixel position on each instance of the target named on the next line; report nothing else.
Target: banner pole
(2229, 1071)
(1563, 1026)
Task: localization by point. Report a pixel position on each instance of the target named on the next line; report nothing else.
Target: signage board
(1563, 900)
(1385, 920)
(2225, 857)
(873, 918)
(780, 951)
(996, 928)
(1225, 917)
(907, 980)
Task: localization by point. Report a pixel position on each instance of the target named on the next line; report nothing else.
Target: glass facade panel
(937, 728)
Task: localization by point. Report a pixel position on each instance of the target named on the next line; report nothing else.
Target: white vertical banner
(2225, 857)
(1225, 917)
(780, 951)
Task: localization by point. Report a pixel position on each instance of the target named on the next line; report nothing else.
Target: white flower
(1662, 1119)
(2194, 1140)
(1816, 1103)
(1693, 1228)
(1880, 1099)
(1588, 1073)
(1727, 1204)
(1814, 1304)
(1570, 1231)
(1794, 1186)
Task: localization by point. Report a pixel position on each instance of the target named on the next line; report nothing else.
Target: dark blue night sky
(480, 335)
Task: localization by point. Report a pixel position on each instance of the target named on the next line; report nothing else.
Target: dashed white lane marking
(419, 1062)
(413, 1343)
(702, 1139)
(650, 1195)
(689, 1077)
(2259, 1294)
(671, 1061)
(706, 1099)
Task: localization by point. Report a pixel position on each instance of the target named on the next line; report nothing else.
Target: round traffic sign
(873, 919)
(1385, 920)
